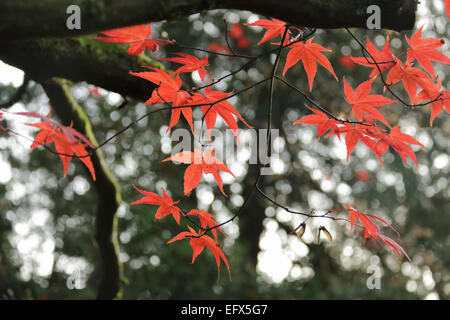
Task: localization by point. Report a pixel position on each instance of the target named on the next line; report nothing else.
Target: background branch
(108, 190)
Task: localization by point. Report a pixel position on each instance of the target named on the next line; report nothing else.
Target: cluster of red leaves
(372, 136)
(371, 230)
(364, 105)
(68, 141)
(213, 103)
(309, 53)
(198, 240)
(421, 50)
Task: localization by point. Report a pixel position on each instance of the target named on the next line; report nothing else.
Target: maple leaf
(198, 241)
(168, 91)
(206, 219)
(71, 134)
(363, 102)
(200, 164)
(236, 31)
(136, 36)
(310, 54)
(363, 175)
(358, 132)
(432, 93)
(424, 51)
(165, 203)
(347, 62)
(447, 7)
(381, 58)
(274, 28)
(190, 63)
(397, 141)
(370, 229)
(321, 120)
(64, 145)
(223, 108)
(355, 133)
(218, 48)
(95, 91)
(411, 77)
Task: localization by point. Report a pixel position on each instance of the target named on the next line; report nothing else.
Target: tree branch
(31, 18)
(80, 59)
(108, 190)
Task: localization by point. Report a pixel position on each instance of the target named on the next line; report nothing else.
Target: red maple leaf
(200, 164)
(190, 63)
(206, 219)
(218, 48)
(397, 141)
(432, 93)
(347, 61)
(424, 51)
(447, 7)
(411, 78)
(95, 91)
(363, 102)
(236, 31)
(274, 28)
(363, 175)
(165, 203)
(198, 241)
(321, 120)
(355, 133)
(65, 144)
(370, 229)
(223, 108)
(382, 58)
(310, 54)
(168, 91)
(243, 43)
(136, 36)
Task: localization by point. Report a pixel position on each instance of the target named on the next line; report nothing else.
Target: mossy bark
(81, 59)
(108, 190)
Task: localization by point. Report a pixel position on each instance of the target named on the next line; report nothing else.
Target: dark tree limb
(80, 59)
(108, 190)
(31, 18)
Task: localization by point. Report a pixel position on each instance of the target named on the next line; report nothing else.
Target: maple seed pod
(301, 231)
(327, 233)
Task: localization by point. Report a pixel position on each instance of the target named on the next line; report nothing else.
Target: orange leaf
(198, 243)
(274, 28)
(310, 54)
(67, 142)
(165, 203)
(424, 51)
(200, 164)
(136, 36)
(362, 102)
